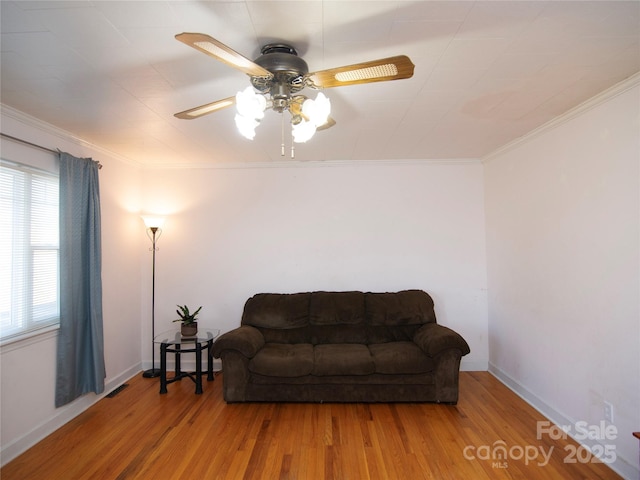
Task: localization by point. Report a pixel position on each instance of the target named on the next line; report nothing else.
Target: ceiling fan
(278, 75)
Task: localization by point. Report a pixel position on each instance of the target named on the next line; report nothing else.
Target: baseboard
(620, 465)
(62, 416)
(473, 365)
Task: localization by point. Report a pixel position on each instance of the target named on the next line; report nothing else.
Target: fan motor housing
(288, 70)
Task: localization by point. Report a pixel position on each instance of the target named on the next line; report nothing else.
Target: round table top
(174, 337)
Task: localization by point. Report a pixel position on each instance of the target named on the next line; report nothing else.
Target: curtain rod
(55, 152)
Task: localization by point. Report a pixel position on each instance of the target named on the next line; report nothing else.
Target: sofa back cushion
(277, 310)
(339, 317)
(408, 307)
(281, 317)
(337, 308)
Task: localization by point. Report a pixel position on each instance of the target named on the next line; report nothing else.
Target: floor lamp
(154, 231)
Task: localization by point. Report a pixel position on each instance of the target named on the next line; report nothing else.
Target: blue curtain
(80, 358)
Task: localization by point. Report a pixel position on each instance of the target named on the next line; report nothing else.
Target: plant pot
(189, 330)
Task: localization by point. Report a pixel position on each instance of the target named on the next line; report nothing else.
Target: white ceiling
(487, 72)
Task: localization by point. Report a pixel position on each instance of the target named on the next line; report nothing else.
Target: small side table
(173, 342)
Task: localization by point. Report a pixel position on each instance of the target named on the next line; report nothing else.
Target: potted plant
(189, 326)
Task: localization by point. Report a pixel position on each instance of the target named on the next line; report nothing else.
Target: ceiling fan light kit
(250, 107)
(276, 78)
(246, 126)
(318, 110)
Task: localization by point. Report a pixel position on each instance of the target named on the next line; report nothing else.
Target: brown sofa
(340, 347)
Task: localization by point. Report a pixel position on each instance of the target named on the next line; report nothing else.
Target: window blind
(29, 249)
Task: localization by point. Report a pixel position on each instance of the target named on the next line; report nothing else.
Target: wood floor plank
(139, 434)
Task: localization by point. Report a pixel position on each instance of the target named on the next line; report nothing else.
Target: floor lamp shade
(153, 221)
(154, 225)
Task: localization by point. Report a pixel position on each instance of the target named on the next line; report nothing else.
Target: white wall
(563, 214)
(232, 233)
(27, 382)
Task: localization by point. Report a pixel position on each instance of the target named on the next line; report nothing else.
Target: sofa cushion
(336, 308)
(409, 307)
(343, 359)
(277, 310)
(400, 358)
(283, 360)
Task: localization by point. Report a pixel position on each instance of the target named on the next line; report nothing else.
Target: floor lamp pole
(153, 371)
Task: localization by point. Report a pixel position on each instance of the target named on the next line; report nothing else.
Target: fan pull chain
(282, 137)
(293, 151)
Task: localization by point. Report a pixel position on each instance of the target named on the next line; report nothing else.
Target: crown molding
(318, 164)
(63, 135)
(599, 99)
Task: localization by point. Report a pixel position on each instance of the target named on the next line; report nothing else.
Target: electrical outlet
(608, 412)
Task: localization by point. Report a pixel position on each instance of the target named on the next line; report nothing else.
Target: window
(29, 250)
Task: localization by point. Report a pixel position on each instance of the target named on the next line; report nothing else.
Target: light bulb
(250, 104)
(246, 126)
(303, 131)
(318, 110)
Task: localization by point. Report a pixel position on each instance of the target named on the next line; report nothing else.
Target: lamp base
(151, 373)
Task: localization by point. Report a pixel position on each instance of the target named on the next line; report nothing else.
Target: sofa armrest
(434, 339)
(245, 339)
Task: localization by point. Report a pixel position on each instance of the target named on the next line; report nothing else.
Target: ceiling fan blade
(206, 109)
(385, 69)
(218, 50)
(328, 124)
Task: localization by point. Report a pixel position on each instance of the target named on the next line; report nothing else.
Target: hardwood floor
(139, 434)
